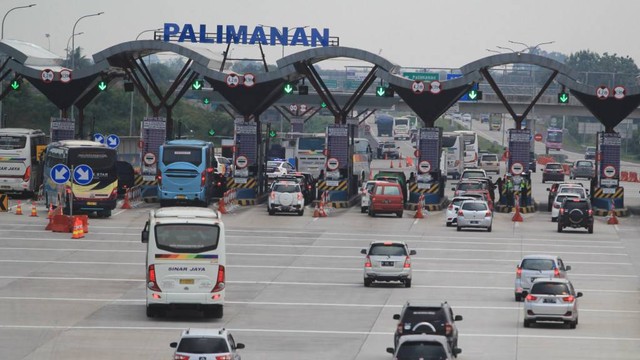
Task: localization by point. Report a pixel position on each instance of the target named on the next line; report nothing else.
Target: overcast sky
(411, 33)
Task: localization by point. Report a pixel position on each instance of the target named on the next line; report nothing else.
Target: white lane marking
(118, 213)
(429, 249)
(312, 332)
(415, 221)
(301, 304)
(255, 282)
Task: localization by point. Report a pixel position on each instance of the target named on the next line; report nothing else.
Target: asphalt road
(295, 291)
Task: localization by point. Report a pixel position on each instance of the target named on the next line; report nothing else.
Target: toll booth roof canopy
(29, 54)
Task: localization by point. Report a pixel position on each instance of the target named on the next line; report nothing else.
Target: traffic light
(212, 132)
(288, 88)
(383, 91)
(273, 133)
(128, 87)
(474, 95)
(303, 90)
(206, 100)
(323, 105)
(197, 84)
(102, 85)
(563, 98)
(15, 85)
(389, 92)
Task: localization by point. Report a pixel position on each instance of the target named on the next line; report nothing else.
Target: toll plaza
(249, 95)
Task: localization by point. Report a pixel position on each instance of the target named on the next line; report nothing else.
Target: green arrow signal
(206, 101)
(473, 94)
(102, 86)
(212, 132)
(288, 89)
(272, 133)
(564, 98)
(15, 85)
(197, 85)
(380, 91)
(323, 105)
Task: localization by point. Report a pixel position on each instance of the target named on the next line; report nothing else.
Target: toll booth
(245, 158)
(337, 171)
(429, 179)
(153, 132)
(518, 173)
(605, 188)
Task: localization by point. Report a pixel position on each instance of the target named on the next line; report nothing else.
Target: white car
(474, 214)
(537, 266)
(454, 206)
(286, 196)
(466, 117)
(574, 189)
(473, 173)
(207, 344)
(278, 168)
(387, 261)
(552, 300)
(557, 203)
(490, 162)
(365, 196)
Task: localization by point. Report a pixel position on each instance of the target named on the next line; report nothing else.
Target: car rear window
(416, 315)
(421, 350)
(187, 238)
(584, 164)
(474, 206)
(203, 346)
(472, 174)
(470, 186)
(288, 188)
(388, 250)
(387, 190)
(538, 264)
(489, 158)
(173, 154)
(554, 166)
(550, 288)
(457, 202)
(12, 142)
(561, 198)
(570, 205)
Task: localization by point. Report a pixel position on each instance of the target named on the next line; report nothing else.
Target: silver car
(387, 261)
(411, 347)
(474, 214)
(533, 267)
(454, 206)
(583, 169)
(552, 300)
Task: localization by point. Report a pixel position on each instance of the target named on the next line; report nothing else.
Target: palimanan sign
(226, 34)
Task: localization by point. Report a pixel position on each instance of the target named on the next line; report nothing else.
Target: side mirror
(239, 346)
(363, 251)
(567, 268)
(396, 316)
(457, 318)
(579, 294)
(145, 236)
(457, 351)
(173, 345)
(390, 351)
(412, 252)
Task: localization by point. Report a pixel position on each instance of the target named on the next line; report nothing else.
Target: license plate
(243, 180)
(474, 222)
(387, 263)
(186, 281)
(180, 197)
(424, 186)
(4, 187)
(549, 301)
(93, 203)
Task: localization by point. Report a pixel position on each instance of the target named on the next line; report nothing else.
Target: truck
(401, 128)
(495, 122)
(384, 123)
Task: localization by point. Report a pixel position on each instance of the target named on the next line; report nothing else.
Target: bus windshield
(12, 142)
(311, 143)
(401, 122)
(449, 141)
(554, 136)
(173, 154)
(96, 159)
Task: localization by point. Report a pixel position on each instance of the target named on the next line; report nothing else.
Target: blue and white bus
(186, 173)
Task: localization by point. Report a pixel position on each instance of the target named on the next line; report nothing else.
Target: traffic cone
(78, 231)
(221, 206)
(517, 217)
(613, 220)
(391, 164)
(19, 208)
(409, 161)
(50, 213)
(419, 214)
(316, 212)
(34, 211)
(126, 204)
(400, 163)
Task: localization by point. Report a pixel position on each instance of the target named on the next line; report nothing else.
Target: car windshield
(288, 188)
(389, 146)
(474, 206)
(470, 186)
(388, 250)
(425, 350)
(538, 264)
(550, 288)
(203, 345)
(591, 149)
(273, 164)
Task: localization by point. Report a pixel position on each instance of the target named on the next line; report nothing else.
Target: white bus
(470, 148)
(20, 161)
(452, 142)
(401, 128)
(309, 153)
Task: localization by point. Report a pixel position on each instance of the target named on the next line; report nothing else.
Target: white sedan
(278, 168)
(474, 214)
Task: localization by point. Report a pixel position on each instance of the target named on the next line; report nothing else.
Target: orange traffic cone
(34, 211)
(19, 208)
(78, 230)
(126, 204)
(221, 207)
(391, 164)
(50, 213)
(517, 217)
(316, 212)
(400, 163)
(419, 214)
(409, 161)
(613, 220)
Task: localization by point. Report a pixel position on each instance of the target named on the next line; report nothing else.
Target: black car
(576, 213)
(427, 318)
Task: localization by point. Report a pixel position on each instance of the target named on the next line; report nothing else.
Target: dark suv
(419, 317)
(576, 213)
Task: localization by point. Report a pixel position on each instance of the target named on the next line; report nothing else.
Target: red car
(386, 198)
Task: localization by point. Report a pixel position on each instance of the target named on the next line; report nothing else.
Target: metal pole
(7, 13)
(73, 46)
(71, 193)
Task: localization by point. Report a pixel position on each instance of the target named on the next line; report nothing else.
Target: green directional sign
(212, 132)
(102, 85)
(474, 95)
(273, 133)
(206, 101)
(288, 88)
(15, 85)
(422, 76)
(197, 84)
(380, 91)
(563, 98)
(323, 105)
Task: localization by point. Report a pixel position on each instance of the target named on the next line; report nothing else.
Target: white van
(185, 260)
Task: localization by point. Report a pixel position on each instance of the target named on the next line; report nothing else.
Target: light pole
(131, 107)
(531, 48)
(73, 39)
(7, 13)
(68, 41)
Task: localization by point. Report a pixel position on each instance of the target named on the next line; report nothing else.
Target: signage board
(608, 147)
(113, 141)
(338, 144)
(60, 174)
(82, 174)
(333, 164)
(246, 138)
(465, 97)
(422, 76)
(153, 133)
(62, 129)
(519, 148)
(424, 167)
(429, 147)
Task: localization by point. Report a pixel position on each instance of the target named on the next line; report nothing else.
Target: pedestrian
(509, 190)
(500, 184)
(523, 192)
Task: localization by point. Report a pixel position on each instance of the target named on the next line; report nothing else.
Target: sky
(410, 33)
